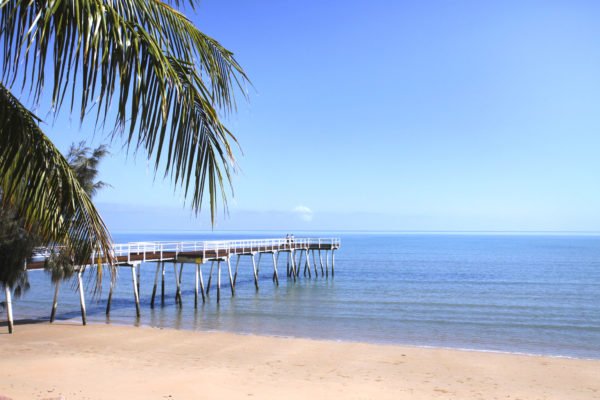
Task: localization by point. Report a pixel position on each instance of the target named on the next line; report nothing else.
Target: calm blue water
(514, 293)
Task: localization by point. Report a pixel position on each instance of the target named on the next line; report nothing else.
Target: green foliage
(60, 265)
(16, 244)
(84, 163)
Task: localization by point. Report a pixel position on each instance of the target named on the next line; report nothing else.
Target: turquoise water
(516, 293)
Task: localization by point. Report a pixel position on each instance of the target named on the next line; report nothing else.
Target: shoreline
(348, 341)
(389, 344)
(116, 361)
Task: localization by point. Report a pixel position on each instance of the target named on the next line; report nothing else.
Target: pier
(303, 256)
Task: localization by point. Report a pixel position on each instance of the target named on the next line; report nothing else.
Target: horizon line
(588, 232)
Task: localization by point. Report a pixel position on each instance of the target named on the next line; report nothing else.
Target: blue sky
(393, 115)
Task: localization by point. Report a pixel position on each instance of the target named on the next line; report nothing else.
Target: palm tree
(166, 82)
(84, 162)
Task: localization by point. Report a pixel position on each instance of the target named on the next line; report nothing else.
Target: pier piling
(212, 263)
(293, 258)
(136, 295)
(255, 272)
(321, 262)
(307, 265)
(237, 263)
(155, 284)
(332, 262)
(299, 264)
(230, 277)
(218, 281)
(180, 273)
(110, 293)
(138, 267)
(180, 280)
(199, 269)
(196, 283)
(275, 275)
(9, 312)
(81, 297)
(178, 287)
(162, 284)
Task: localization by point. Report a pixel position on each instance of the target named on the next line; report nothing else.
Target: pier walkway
(131, 253)
(298, 252)
(219, 249)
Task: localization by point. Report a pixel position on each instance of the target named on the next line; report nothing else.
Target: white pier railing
(226, 247)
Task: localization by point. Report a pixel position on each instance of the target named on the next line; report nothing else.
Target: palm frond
(167, 80)
(38, 183)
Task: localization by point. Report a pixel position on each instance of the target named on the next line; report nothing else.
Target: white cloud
(303, 212)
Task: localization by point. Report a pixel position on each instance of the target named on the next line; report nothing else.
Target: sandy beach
(43, 361)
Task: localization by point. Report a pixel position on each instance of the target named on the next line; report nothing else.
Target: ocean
(518, 293)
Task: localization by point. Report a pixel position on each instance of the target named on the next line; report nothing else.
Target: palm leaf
(167, 81)
(38, 183)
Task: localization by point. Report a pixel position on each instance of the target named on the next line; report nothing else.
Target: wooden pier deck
(197, 253)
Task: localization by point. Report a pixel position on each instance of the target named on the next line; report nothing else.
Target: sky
(392, 115)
